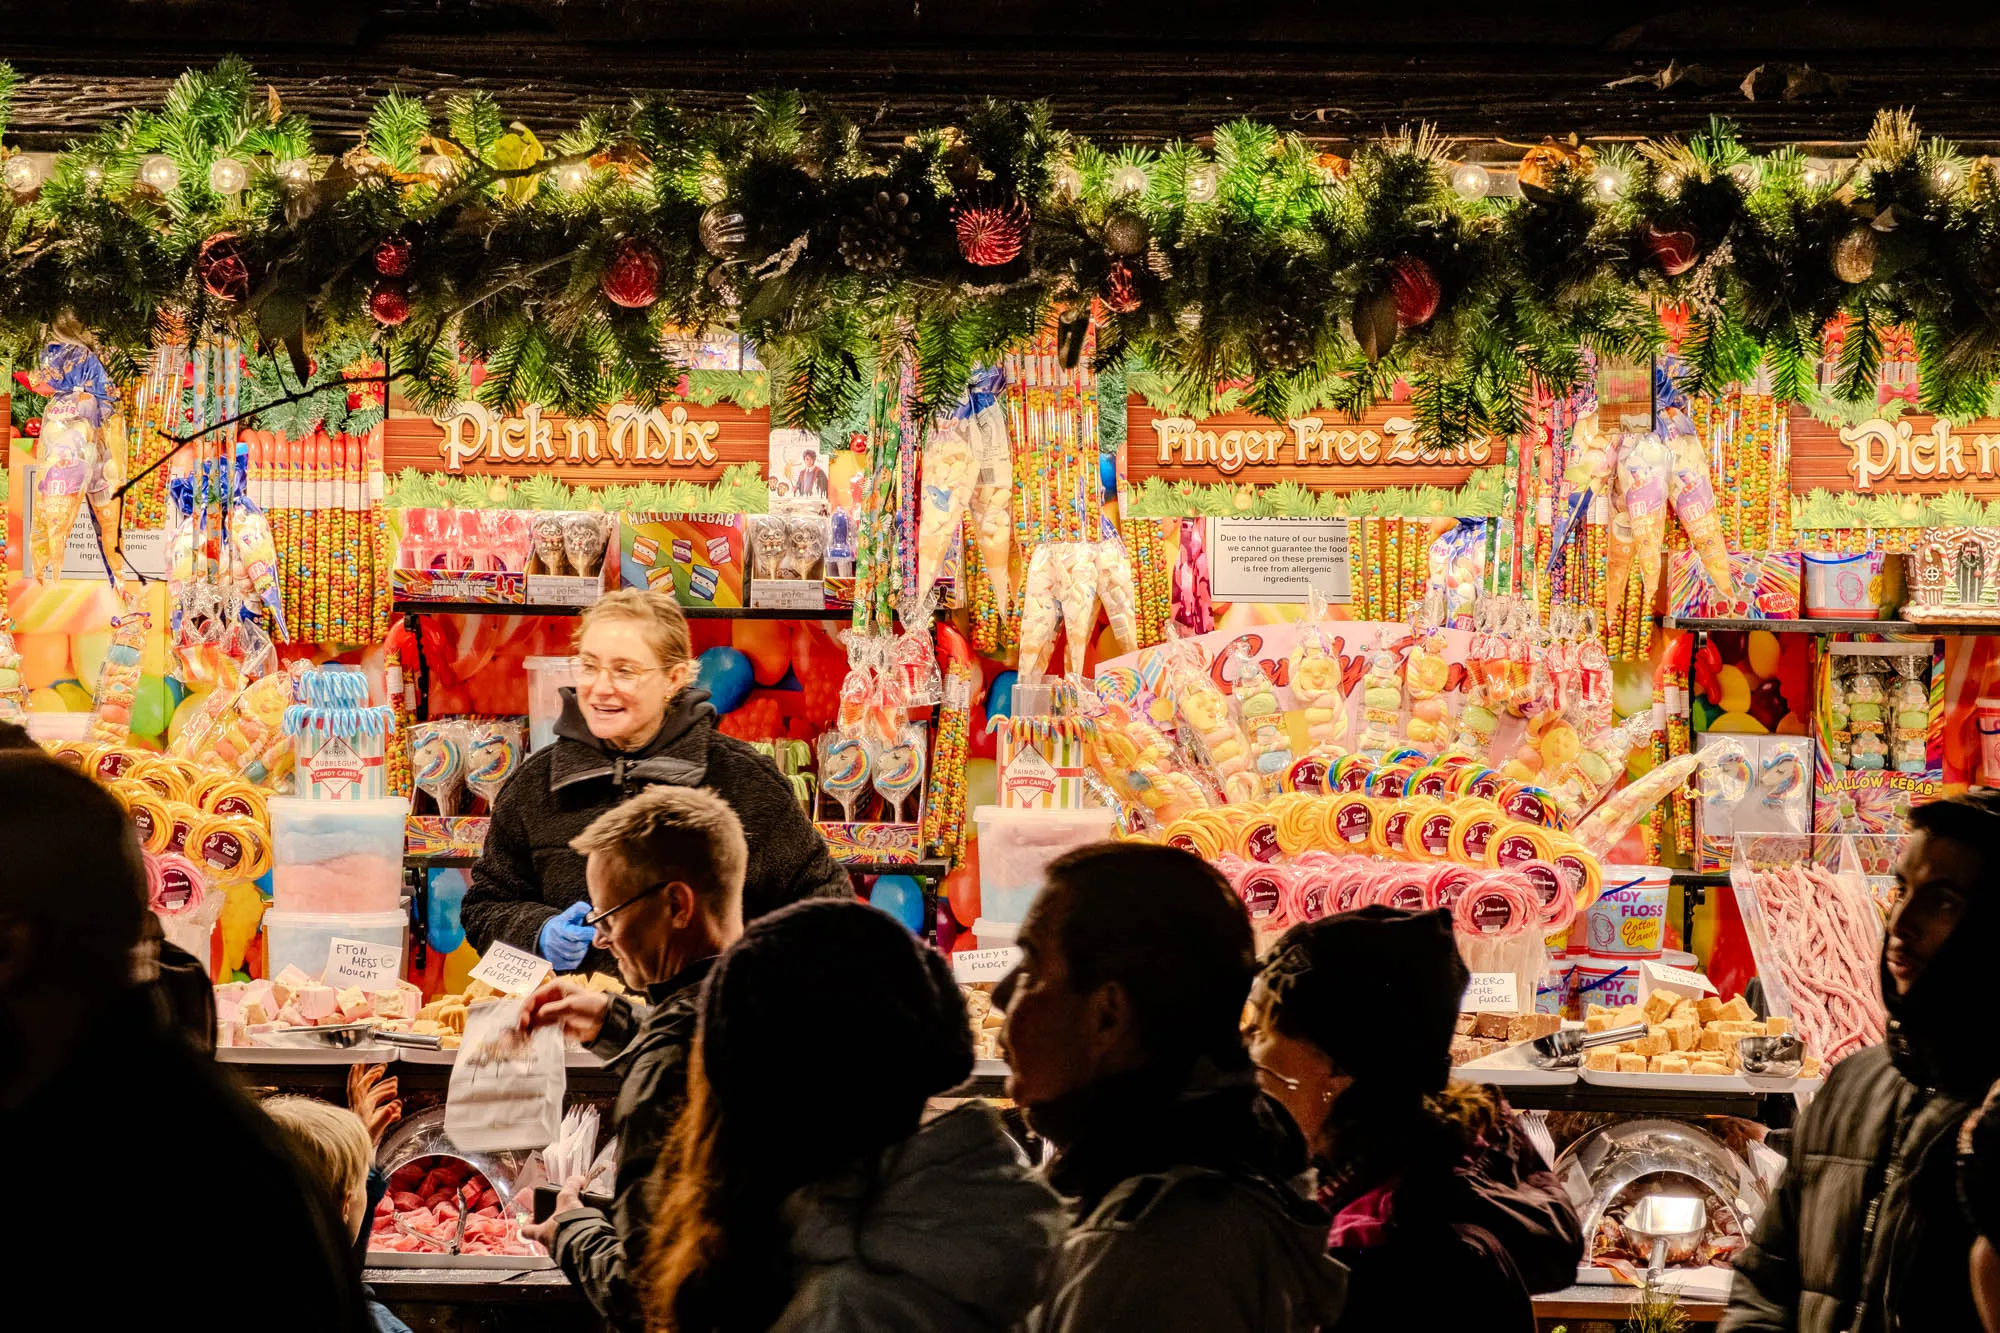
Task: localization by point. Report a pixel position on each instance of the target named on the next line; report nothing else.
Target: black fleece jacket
(527, 872)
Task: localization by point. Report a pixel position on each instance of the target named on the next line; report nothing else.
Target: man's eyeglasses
(595, 918)
(623, 675)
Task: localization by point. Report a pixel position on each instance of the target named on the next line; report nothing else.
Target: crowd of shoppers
(1224, 1144)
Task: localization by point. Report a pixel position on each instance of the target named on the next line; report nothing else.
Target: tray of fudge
(1497, 1048)
(1691, 1045)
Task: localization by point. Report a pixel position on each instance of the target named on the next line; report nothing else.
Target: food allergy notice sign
(1277, 559)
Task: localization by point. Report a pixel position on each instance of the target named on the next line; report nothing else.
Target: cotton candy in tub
(337, 856)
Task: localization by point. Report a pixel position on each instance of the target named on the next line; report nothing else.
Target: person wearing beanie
(1439, 1202)
(848, 1211)
(1865, 1230)
(1122, 1033)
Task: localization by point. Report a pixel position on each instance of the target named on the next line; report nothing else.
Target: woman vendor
(631, 721)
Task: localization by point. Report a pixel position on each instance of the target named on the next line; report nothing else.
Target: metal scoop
(1564, 1050)
(1672, 1223)
(346, 1036)
(1771, 1057)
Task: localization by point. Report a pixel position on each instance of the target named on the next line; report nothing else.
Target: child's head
(333, 1144)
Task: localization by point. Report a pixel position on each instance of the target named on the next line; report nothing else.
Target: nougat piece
(1738, 1010)
(1713, 1038)
(1708, 1068)
(1597, 1023)
(1683, 1034)
(1668, 1064)
(1652, 1044)
(1777, 1025)
(1684, 1008)
(1602, 1060)
(1708, 1008)
(1631, 1064)
(1659, 1006)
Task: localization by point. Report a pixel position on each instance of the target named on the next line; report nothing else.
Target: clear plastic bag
(507, 1086)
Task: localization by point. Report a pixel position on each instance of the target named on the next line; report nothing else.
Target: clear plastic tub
(337, 856)
(302, 939)
(546, 675)
(1016, 846)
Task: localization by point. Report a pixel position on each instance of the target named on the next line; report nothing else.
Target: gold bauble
(1854, 255)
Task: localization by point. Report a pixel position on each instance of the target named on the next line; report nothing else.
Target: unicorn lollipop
(899, 769)
(436, 763)
(583, 538)
(843, 770)
(492, 753)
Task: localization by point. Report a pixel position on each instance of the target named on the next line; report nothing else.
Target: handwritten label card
(974, 965)
(1492, 993)
(1675, 980)
(509, 970)
(372, 967)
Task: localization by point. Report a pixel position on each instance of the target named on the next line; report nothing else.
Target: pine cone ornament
(1126, 234)
(1854, 255)
(991, 234)
(1415, 290)
(389, 303)
(632, 278)
(392, 257)
(224, 272)
(1672, 252)
(878, 238)
(1121, 289)
(1285, 343)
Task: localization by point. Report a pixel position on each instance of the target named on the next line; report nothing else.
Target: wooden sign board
(1325, 452)
(1911, 454)
(628, 444)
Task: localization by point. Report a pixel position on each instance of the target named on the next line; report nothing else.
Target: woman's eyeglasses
(623, 674)
(596, 918)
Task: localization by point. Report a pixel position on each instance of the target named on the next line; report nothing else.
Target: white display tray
(989, 1069)
(1710, 1283)
(417, 1055)
(1512, 1068)
(1732, 1083)
(306, 1055)
(519, 1263)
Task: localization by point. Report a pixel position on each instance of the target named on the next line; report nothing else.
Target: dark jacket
(138, 1106)
(1482, 1235)
(649, 1048)
(527, 872)
(1186, 1215)
(1881, 1139)
(949, 1236)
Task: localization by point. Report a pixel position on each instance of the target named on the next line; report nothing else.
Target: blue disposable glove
(565, 939)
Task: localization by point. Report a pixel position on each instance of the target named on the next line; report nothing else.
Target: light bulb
(22, 173)
(1069, 181)
(1815, 174)
(1202, 183)
(1948, 176)
(1128, 180)
(1669, 181)
(437, 167)
(228, 176)
(297, 173)
(1608, 182)
(714, 189)
(161, 172)
(93, 174)
(1471, 180)
(1746, 174)
(572, 176)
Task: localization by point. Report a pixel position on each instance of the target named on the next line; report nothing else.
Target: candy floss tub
(337, 856)
(1628, 920)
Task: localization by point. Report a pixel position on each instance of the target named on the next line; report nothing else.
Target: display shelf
(931, 868)
(1582, 1096)
(422, 608)
(1834, 626)
(423, 862)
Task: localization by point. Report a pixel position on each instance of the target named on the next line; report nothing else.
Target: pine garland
(1255, 264)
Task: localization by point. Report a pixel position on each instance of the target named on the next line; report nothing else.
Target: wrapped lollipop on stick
(584, 537)
(492, 753)
(437, 764)
(1693, 497)
(844, 768)
(899, 769)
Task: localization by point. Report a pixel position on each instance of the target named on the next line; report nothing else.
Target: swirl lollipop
(548, 545)
(583, 537)
(843, 770)
(899, 769)
(492, 753)
(436, 764)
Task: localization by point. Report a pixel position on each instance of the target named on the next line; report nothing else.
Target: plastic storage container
(546, 675)
(337, 856)
(303, 938)
(1016, 846)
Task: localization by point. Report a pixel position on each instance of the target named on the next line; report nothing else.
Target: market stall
(1019, 496)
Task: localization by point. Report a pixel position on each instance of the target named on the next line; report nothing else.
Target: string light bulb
(226, 175)
(1202, 183)
(1668, 181)
(438, 167)
(1068, 180)
(1947, 175)
(93, 174)
(297, 173)
(1129, 180)
(572, 176)
(21, 173)
(1471, 180)
(1746, 173)
(1608, 182)
(161, 172)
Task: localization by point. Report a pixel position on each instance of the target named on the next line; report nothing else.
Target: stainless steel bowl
(1598, 1169)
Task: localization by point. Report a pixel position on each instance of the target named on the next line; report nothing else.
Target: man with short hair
(85, 1062)
(1123, 1035)
(664, 872)
(1864, 1233)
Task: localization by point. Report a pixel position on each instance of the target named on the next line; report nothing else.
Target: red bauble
(392, 257)
(632, 278)
(1673, 252)
(992, 234)
(390, 304)
(220, 265)
(1415, 290)
(1121, 290)
(33, 429)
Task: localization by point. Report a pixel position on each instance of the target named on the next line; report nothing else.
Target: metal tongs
(1564, 1049)
(346, 1036)
(1671, 1223)
(1771, 1057)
